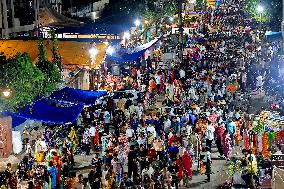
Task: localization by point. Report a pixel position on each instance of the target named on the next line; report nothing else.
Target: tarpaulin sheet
(273, 36)
(72, 95)
(51, 112)
(130, 55)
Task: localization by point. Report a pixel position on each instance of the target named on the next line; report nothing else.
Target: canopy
(273, 36)
(50, 17)
(62, 107)
(130, 55)
(51, 112)
(72, 95)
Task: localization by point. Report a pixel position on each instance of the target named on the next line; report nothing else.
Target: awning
(273, 36)
(130, 55)
(72, 95)
(51, 112)
(50, 17)
(62, 107)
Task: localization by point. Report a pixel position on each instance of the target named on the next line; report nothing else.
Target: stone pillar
(5, 136)
(13, 13)
(1, 16)
(5, 19)
(85, 84)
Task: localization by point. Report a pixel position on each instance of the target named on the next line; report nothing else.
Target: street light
(260, 9)
(110, 50)
(137, 23)
(93, 51)
(126, 35)
(6, 92)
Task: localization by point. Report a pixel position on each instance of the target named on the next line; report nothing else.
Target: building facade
(90, 10)
(17, 16)
(55, 4)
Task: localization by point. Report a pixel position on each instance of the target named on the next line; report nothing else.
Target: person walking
(209, 135)
(220, 129)
(232, 130)
(227, 144)
(117, 168)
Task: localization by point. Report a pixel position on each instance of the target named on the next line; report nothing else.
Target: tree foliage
(251, 9)
(165, 9)
(200, 4)
(27, 81)
(51, 69)
(23, 79)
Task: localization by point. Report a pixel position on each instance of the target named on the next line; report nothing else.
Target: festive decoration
(231, 169)
(265, 152)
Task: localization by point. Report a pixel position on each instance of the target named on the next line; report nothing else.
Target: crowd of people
(134, 142)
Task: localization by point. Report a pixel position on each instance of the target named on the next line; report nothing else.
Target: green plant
(200, 4)
(27, 81)
(50, 69)
(23, 79)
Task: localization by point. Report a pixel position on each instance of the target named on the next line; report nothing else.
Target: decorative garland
(265, 152)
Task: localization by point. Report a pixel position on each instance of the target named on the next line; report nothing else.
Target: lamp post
(137, 24)
(126, 37)
(260, 10)
(171, 19)
(93, 53)
(180, 29)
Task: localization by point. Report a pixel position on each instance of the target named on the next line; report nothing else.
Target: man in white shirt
(152, 130)
(92, 131)
(182, 73)
(147, 171)
(140, 110)
(158, 81)
(167, 125)
(129, 132)
(209, 135)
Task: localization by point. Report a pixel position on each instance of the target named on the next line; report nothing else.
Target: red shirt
(152, 153)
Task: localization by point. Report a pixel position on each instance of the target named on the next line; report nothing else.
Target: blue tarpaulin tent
(62, 107)
(130, 55)
(273, 36)
(50, 112)
(72, 95)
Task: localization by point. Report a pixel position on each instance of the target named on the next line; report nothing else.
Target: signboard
(115, 69)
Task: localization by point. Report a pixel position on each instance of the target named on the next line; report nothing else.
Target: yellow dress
(110, 178)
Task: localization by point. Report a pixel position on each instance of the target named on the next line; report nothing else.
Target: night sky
(124, 10)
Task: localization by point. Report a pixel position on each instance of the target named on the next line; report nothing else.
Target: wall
(5, 137)
(5, 28)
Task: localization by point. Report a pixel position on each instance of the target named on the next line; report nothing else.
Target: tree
(24, 80)
(51, 69)
(167, 8)
(200, 4)
(155, 14)
(28, 81)
(251, 7)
